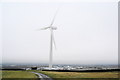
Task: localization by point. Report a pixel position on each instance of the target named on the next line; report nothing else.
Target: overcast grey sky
(87, 32)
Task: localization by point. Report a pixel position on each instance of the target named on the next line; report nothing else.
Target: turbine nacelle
(52, 27)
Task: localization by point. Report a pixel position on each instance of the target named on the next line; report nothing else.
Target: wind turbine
(52, 41)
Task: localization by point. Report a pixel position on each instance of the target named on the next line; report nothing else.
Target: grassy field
(26, 75)
(18, 74)
(80, 74)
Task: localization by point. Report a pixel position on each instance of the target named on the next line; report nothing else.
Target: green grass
(26, 75)
(18, 74)
(80, 74)
(0, 74)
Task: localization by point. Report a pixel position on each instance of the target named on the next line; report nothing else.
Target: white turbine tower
(52, 41)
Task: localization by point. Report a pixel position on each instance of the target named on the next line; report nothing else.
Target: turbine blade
(54, 18)
(53, 39)
(43, 28)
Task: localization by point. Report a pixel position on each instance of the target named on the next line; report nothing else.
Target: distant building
(34, 68)
(28, 68)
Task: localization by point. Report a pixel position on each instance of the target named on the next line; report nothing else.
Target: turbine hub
(53, 28)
